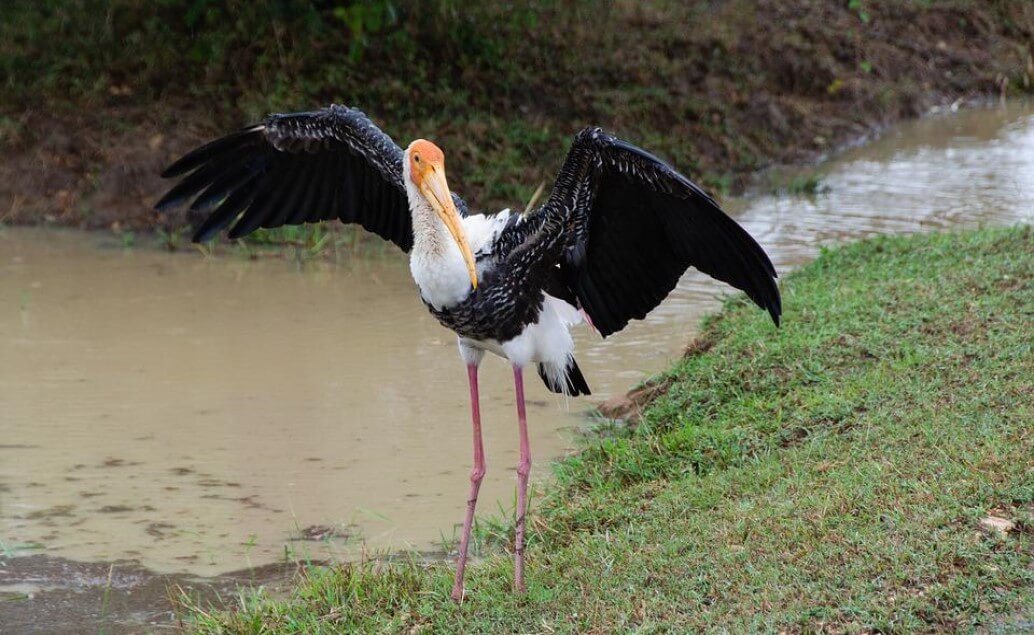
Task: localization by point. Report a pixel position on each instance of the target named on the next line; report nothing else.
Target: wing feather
(223, 185)
(198, 180)
(635, 225)
(296, 168)
(316, 180)
(225, 214)
(211, 150)
(278, 193)
(322, 203)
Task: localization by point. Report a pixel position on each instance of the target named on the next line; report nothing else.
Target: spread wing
(636, 225)
(296, 168)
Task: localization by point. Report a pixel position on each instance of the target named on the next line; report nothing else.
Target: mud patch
(57, 511)
(629, 407)
(317, 533)
(54, 595)
(121, 509)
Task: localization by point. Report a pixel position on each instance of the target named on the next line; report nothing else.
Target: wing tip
(167, 202)
(769, 299)
(201, 154)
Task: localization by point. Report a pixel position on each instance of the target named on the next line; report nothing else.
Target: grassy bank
(831, 475)
(96, 96)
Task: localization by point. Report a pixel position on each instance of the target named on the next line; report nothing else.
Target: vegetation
(831, 475)
(96, 96)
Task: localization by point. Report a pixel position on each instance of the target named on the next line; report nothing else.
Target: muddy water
(204, 415)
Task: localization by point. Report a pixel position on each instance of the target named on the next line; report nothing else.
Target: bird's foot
(457, 593)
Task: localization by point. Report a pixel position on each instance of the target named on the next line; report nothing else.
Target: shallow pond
(202, 415)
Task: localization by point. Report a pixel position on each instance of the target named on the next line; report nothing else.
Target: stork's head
(426, 163)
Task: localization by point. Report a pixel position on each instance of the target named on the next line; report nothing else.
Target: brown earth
(722, 88)
(66, 596)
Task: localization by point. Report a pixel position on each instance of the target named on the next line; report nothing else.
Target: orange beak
(435, 189)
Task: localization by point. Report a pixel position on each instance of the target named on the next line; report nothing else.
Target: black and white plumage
(297, 168)
(610, 243)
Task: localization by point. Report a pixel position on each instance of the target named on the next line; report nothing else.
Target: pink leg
(523, 470)
(476, 474)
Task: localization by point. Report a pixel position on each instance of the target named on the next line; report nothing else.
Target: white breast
(442, 277)
(436, 263)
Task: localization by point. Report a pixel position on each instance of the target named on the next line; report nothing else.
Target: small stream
(203, 415)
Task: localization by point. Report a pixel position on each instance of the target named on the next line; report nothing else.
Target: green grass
(830, 475)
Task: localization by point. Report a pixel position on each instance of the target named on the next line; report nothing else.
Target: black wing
(296, 168)
(636, 225)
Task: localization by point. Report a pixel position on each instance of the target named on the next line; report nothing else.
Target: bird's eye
(416, 158)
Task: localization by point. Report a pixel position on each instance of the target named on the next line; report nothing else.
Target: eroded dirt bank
(721, 88)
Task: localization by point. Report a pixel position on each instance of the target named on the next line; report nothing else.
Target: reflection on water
(201, 414)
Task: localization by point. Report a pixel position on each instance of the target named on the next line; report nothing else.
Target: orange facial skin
(424, 156)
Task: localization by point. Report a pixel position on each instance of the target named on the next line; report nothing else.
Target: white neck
(435, 261)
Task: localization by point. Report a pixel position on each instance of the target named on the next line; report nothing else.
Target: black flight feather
(297, 168)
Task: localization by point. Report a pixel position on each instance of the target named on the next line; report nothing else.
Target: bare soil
(65, 596)
(721, 88)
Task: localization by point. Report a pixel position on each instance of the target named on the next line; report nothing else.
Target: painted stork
(608, 245)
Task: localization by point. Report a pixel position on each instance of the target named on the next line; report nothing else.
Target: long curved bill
(436, 189)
